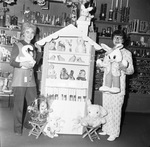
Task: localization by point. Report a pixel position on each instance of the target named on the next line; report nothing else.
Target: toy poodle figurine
(85, 13)
(111, 82)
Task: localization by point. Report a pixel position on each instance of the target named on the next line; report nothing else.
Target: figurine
(85, 13)
(71, 77)
(64, 74)
(82, 75)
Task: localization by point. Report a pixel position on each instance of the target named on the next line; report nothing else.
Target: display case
(139, 82)
(7, 38)
(67, 75)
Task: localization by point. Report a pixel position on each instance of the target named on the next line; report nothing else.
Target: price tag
(25, 79)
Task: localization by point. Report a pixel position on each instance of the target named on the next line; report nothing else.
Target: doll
(111, 67)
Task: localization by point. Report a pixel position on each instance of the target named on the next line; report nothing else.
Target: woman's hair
(26, 26)
(120, 32)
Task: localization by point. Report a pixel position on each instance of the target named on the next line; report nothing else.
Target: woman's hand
(38, 47)
(122, 67)
(26, 64)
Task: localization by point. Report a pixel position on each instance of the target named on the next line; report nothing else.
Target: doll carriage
(39, 111)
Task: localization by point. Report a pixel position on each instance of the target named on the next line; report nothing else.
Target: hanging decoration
(9, 2)
(39, 2)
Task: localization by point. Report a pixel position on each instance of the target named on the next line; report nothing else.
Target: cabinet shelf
(46, 25)
(7, 46)
(58, 83)
(5, 28)
(70, 53)
(104, 37)
(69, 63)
(141, 58)
(111, 22)
(4, 62)
(138, 47)
(137, 33)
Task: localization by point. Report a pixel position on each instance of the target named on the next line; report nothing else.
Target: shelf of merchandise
(110, 22)
(138, 33)
(46, 25)
(9, 29)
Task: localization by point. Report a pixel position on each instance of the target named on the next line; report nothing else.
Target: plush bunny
(111, 66)
(95, 115)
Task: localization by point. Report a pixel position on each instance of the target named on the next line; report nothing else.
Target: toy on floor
(52, 127)
(111, 67)
(39, 111)
(95, 115)
(93, 120)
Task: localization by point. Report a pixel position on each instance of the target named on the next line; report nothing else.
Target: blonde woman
(23, 83)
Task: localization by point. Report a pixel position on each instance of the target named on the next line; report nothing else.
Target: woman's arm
(128, 57)
(14, 54)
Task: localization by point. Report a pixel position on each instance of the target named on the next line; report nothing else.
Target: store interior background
(138, 10)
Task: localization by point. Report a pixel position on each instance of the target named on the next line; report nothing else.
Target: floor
(135, 132)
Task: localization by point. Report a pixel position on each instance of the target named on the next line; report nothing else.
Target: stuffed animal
(64, 74)
(111, 66)
(84, 14)
(95, 115)
(25, 55)
(82, 75)
(52, 127)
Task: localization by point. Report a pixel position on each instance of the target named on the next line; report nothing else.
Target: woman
(23, 83)
(113, 102)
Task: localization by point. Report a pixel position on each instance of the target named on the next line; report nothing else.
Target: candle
(120, 4)
(112, 4)
(116, 3)
(127, 3)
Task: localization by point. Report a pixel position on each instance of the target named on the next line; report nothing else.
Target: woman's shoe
(102, 133)
(111, 138)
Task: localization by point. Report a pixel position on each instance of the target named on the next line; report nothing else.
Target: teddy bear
(95, 115)
(111, 81)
